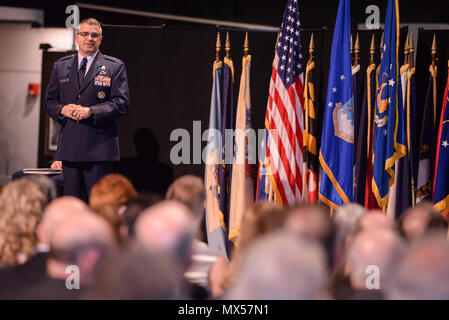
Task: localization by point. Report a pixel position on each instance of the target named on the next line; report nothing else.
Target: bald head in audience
(374, 219)
(423, 271)
(84, 240)
(312, 222)
(378, 247)
(167, 226)
(55, 213)
(281, 266)
(415, 222)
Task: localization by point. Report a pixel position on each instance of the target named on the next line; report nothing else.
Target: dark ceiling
(315, 13)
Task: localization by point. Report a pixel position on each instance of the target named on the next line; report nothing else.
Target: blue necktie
(82, 71)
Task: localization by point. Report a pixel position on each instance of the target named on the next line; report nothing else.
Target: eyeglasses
(94, 35)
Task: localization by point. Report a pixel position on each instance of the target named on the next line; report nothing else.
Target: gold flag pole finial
(356, 50)
(412, 50)
(217, 47)
(228, 45)
(352, 46)
(433, 51)
(406, 49)
(311, 48)
(246, 45)
(372, 50)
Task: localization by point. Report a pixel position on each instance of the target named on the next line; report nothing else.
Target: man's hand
(56, 164)
(68, 110)
(81, 113)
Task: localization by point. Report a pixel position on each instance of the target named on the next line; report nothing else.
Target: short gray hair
(92, 22)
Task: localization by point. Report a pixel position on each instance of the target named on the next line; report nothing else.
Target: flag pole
(412, 50)
(356, 51)
(406, 50)
(433, 52)
(246, 45)
(372, 50)
(217, 47)
(412, 178)
(228, 45)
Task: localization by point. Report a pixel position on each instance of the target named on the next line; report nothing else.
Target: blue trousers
(79, 177)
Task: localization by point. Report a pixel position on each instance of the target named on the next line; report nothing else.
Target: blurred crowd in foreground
(125, 245)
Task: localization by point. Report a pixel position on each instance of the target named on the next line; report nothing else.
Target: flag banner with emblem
(441, 178)
(215, 226)
(426, 143)
(264, 191)
(284, 117)
(370, 101)
(242, 189)
(312, 166)
(337, 138)
(400, 197)
(227, 146)
(389, 135)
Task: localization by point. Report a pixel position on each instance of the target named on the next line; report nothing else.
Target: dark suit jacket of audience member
(17, 279)
(30, 281)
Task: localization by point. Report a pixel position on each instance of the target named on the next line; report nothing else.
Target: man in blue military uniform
(86, 93)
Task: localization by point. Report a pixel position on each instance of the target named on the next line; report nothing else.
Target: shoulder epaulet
(65, 58)
(113, 59)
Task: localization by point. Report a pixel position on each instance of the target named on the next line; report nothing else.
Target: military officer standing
(86, 93)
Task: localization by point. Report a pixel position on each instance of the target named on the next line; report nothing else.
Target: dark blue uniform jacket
(105, 91)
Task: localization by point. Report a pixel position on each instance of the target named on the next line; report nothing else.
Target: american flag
(284, 117)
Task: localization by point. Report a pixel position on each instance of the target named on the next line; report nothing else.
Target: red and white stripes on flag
(284, 122)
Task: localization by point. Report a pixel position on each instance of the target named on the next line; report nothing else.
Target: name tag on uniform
(104, 81)
(64, 80)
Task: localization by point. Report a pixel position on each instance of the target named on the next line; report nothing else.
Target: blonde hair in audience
(21, 206)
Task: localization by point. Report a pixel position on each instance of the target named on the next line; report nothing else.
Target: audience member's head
(312, 222)
(281, 266)
(108, 198)
(189, 190)
(375, 247)
(166, 227)
(112, 189)
(21, 204)
(345, 220)
(55, 213)
(84, 240)
(423, 271)
(138, 275)
(46, 185)
(260, 219)
(135, 207)
(374, 219)
(417, 221)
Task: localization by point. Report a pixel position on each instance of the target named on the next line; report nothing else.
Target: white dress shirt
(89, 60)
